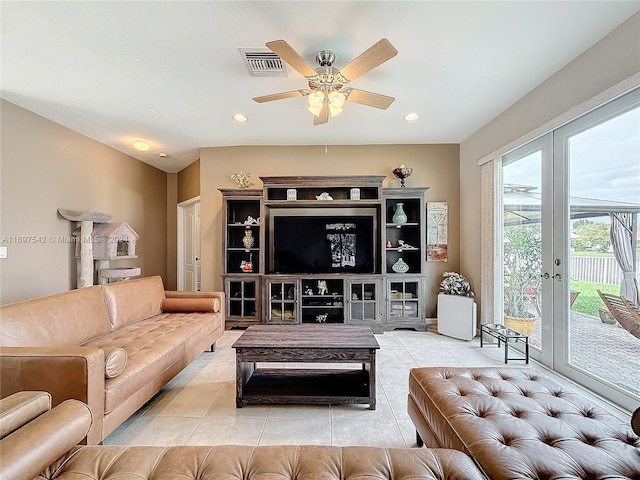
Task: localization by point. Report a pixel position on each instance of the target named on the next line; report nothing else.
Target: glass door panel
(600, 154)
(526, 188)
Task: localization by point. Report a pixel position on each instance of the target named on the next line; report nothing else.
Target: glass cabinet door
(362, 301)
(242, 302)
(281, 302)
(403, 300)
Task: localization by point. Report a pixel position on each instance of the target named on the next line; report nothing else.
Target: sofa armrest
(32, 448)
(66, 373)
(20, 408)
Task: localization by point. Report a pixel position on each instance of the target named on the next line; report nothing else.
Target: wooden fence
(598, 270)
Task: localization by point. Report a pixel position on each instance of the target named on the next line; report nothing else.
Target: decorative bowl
(401, 173)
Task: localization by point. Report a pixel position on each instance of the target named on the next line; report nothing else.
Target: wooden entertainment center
(381, 286)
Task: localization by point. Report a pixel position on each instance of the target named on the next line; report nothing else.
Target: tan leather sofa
(37, 441)
(518, 423)
(112, 346)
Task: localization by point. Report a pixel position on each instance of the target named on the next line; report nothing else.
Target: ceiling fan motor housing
(325, 58)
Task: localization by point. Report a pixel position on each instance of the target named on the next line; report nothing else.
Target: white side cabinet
(457, 316)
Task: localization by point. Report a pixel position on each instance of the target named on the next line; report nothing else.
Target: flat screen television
(319, 241)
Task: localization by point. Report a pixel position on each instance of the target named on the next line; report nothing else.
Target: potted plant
(522, 262)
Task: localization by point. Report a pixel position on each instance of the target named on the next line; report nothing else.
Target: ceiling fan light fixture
(316, 98)
(337, 99)
(315, 109)
(334, 110)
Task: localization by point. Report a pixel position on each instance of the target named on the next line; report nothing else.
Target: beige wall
(435, 166)
(612, 60)
(189, 182)
(172, 231)
(45, 166)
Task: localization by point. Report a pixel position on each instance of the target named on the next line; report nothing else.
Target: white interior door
(189, 246)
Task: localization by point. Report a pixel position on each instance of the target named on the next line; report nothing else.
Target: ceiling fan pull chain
(326, 145)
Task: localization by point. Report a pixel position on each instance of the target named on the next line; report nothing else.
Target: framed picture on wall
(437, 222)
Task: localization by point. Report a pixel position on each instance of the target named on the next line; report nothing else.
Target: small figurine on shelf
(308, 291)
(242, 179)
(322, 287)
(252, 221)
(322, 318)
(247, 266)
(388, 244)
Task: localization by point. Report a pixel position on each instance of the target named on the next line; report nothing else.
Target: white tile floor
(198, 406)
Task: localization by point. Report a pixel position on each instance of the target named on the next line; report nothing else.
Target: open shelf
(318, 386)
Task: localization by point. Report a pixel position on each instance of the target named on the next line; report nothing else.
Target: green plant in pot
(522, 263)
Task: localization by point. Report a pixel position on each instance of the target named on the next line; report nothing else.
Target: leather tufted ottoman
(518, 423)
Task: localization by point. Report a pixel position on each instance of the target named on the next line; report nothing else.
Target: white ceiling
(170, 72)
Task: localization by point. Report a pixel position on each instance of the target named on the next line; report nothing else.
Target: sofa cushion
(153, 345)
(187, 305)
(133, 300)
(115, 361)
(66, 319)
(518, 423)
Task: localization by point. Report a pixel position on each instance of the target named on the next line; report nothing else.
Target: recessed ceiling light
(410, 117)
(140, 145)
(163, 155)
(239, 117)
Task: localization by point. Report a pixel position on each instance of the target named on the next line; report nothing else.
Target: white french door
(560, 195)
(597, 168)
(527, 231)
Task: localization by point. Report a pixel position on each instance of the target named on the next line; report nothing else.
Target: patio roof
(522, 205)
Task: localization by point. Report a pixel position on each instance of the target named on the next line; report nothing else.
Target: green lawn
(588, 301)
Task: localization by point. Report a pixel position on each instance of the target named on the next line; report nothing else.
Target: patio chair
(573, 294)
(625, 312)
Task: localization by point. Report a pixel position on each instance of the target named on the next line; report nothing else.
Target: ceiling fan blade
(323, 117)
(370, 99)
(368, 60)
(293, 58)
(279, 96)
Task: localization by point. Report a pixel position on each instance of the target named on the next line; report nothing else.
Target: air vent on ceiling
(263, 62)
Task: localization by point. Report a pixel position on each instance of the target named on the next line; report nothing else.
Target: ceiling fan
(327, 90)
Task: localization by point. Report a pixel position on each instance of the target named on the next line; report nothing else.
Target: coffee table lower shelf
(307, 386)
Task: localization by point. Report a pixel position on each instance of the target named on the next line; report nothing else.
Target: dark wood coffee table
(306, 344)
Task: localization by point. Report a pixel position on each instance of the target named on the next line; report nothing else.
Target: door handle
(558, 277)
(545, 275)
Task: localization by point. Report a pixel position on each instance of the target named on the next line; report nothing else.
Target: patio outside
(606, 351)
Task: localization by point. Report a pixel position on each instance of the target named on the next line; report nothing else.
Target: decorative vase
(400, 266)
(248, 239)
(399, 217)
